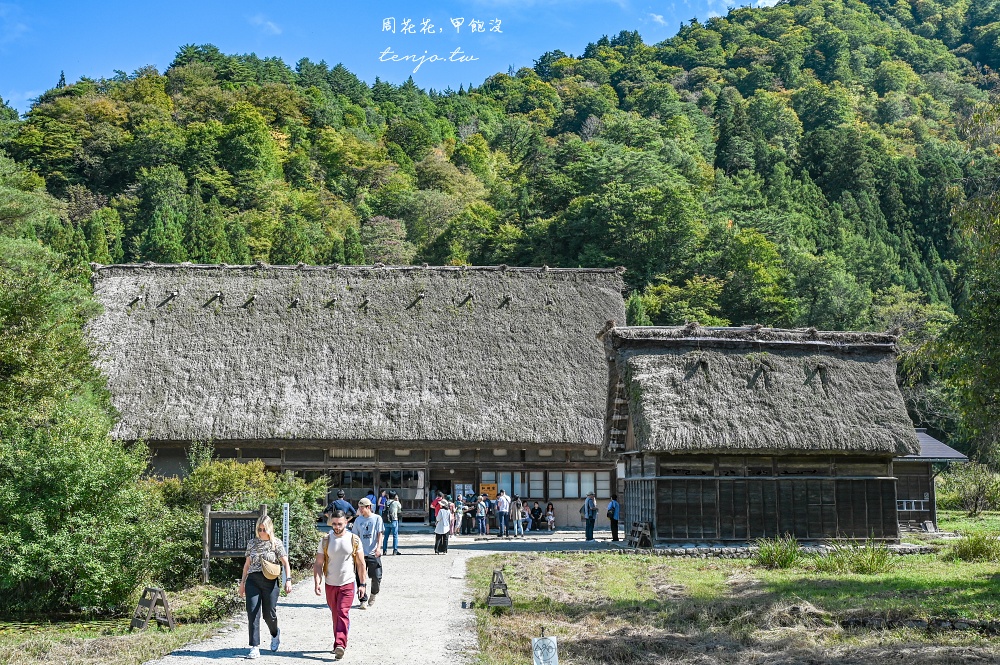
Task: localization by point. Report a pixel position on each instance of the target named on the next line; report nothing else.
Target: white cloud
(657, 19)
(266, 26)
(12, 23)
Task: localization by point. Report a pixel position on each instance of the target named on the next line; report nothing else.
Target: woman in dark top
(536, 517)
(262, 593)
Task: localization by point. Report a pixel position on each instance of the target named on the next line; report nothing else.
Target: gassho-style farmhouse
(461, 379)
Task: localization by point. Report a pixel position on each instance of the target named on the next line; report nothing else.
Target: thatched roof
(355, 354)
(756, 389)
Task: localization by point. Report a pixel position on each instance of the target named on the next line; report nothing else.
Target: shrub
(847, 556)
(779, 552)
(971, 487)
(977, 546)
(230, 485)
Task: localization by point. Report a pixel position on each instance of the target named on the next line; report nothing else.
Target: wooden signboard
(489, 489)
(227, 533)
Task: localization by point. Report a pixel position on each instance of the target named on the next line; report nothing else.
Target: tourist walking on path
(481, 511)
(383, 501)
(442, 529)
(503, 514)
(261, 591)
(390, 519)
(614, 514)
(369, 528)
(340, 503)
(589, 512)
(339, 561)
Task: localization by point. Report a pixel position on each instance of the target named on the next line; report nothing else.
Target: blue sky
(40, 38)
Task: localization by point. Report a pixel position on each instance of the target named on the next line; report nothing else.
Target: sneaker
(364, 605)
(276, 641)
(254, 653)
(338, 652)
(395, 552)
(371, 600)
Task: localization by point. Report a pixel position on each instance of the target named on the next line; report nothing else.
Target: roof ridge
(97, 267)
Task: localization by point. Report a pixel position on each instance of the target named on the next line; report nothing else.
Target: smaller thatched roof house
(746, 432)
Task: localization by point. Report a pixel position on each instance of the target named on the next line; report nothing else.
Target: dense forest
(800, 165)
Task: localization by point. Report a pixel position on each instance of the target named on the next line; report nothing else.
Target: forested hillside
(796, 166)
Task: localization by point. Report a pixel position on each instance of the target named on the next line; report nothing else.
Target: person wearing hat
(369, 528)
(589, 512)
(340, 503)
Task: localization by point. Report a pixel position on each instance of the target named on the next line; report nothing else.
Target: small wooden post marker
(145, 611)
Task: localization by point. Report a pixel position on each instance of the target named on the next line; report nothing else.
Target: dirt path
(418, 619)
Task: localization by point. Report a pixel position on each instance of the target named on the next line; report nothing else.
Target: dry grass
(61, 644)
(617, 610)
(198, 611)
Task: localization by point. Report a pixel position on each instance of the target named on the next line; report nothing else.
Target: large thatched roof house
(413, 378)
(730, 434)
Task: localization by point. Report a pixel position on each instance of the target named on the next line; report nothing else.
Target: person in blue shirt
(614, 514)
(340, 503)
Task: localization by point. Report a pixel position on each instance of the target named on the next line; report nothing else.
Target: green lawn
(957, 520)
(609, 608)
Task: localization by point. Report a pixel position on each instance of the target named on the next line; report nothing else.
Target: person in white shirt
(339, 558)
(503, 514)
(443, 528)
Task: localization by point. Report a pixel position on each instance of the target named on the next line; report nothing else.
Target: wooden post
(263, 511)
(205, 543)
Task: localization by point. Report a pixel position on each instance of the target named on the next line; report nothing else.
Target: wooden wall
(740, 498)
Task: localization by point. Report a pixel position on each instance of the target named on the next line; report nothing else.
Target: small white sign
(544, 651)
(284, 536)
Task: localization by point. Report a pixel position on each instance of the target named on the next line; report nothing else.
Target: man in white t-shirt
(503, 514)
(369, 528)
(339, 558)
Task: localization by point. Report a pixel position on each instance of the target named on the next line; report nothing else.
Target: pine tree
(62, 81)
(163, 242)
(97, 238)
(635, 312)
(206, 236)
(236, 234)
(290, 244)
(354, 253)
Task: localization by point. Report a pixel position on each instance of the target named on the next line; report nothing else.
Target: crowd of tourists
(349, 558)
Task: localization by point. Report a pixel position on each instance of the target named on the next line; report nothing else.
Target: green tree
(354, 253)
(75, 509)
(635, 311)
(163, 242)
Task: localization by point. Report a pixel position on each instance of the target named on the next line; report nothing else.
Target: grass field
(957, 520)
(609, 608)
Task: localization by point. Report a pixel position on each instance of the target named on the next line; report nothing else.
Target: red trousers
(340, 599)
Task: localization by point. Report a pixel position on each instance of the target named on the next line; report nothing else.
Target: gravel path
(418, 619)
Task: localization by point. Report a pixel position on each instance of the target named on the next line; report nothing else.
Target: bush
(847, 556)
(971, 487)
(230, 485)
(978, 546)
(779, 552)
